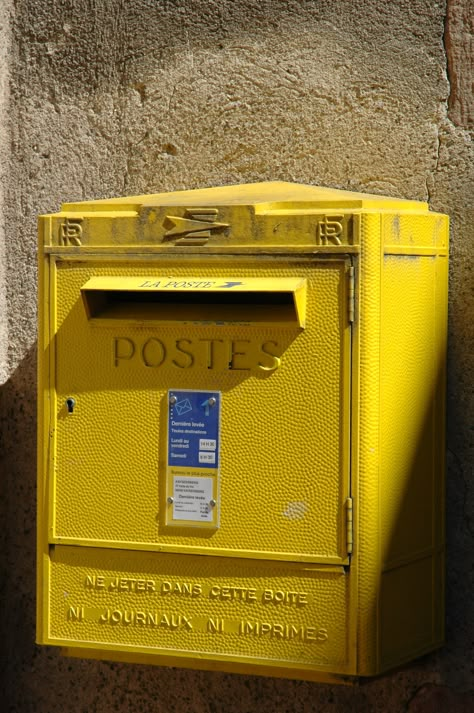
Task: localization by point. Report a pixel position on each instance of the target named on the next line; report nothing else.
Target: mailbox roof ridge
(275, 194)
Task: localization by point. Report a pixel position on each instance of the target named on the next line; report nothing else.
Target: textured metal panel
(409, 374)
(284, 457)
(255, 612)
(368, 403)
(407, 612)
(407, 232)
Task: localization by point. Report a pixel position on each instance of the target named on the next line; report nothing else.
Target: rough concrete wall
(4, 163)
(109, 97)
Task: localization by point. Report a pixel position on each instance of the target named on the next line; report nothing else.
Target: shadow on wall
(18, 511)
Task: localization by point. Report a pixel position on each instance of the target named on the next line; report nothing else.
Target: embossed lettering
(274, 361)
(76, 614)
(184, 353)
(155, 619)
(93, 582)
(190, 357)
(230, 593)
(210, 351)
(182, 589)
(175, 621)
(129, 584)
(235, 363)
(70, 232)
(153, 352)
(215, 626)
(285, 631)
(329, 230)
(124, 348)
(278, 596)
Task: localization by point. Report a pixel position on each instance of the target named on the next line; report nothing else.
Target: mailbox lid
(284, 467)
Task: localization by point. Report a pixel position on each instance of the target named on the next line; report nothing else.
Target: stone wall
(103, 98)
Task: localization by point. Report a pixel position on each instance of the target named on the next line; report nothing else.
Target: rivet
(170, 500)
(173, 400)
(213, 503)
(212, 401)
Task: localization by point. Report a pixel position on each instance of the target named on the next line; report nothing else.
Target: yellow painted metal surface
(316, 319)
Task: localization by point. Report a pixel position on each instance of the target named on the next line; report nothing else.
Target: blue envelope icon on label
(183, 407)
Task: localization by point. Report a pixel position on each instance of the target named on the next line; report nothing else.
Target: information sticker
(192, 481)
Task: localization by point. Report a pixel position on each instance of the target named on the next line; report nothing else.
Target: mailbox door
(281, 479)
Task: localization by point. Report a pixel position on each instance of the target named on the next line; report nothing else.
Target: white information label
(192, 497)
(207, 457)
(207, 444)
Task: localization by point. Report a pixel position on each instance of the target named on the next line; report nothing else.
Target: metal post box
(241, 430)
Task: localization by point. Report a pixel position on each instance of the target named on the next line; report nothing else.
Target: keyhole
(70, 403)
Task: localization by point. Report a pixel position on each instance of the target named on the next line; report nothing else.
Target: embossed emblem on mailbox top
(70, 232)
(330, 230)
(195, 228)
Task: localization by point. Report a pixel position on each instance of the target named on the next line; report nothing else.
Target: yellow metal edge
(414, 250)
(356, 206)
(127, 283)
(133, 251)
(299, 300)
(51, 478)
(43, 418)
(367, 514)
(111, 213)
(441, 297)
(240, 666)
(266, 192)
(196, 550)
(353, 454)
(45, 446)
(346, 331)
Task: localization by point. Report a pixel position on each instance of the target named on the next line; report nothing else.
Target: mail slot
(241, 430)
(195, 300)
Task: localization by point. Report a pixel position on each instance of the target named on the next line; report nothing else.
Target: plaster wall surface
(102, 98)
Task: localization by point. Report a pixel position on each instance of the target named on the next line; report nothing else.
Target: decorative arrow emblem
(228, 285)
(195, 228)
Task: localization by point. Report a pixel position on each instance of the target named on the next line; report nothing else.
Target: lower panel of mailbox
(274, 618)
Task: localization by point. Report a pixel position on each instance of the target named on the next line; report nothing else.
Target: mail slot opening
(281, 305)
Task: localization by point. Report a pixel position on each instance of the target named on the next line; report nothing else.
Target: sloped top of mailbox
(253, 217)
(270, 194)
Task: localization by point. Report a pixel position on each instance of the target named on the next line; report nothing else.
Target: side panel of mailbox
(398, 437)
(412, 427)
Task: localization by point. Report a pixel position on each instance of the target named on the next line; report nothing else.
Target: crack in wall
(458, 40)
(446, 46)
(444, 105)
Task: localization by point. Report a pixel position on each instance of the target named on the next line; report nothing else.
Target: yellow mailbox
(241, 430)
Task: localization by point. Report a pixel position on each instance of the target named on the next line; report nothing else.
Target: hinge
(349, 526)
(351, 293)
